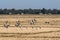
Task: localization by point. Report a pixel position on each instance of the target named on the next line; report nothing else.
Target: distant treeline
(29, 11)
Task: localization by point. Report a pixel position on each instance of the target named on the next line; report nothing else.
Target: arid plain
(46, 27)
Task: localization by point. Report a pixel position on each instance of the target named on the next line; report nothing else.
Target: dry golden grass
(39, 31)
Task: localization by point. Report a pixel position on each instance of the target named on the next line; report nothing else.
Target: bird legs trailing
(6, 24)
(17, 24)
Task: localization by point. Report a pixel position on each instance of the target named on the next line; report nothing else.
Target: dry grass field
(46, 27)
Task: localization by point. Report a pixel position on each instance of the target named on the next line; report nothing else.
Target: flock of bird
(18, 24)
